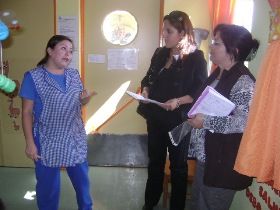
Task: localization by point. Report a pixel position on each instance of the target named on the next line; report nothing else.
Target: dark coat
(185, 78)
(221, 149)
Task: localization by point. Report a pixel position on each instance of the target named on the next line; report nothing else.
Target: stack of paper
(211, 103)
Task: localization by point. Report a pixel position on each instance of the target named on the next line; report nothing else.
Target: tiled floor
(112, 188)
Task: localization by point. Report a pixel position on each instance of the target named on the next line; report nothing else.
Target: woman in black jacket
(176, 72)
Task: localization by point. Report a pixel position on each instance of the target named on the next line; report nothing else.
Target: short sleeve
(27, 89)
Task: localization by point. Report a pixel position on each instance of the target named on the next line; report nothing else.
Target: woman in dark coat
(176, 72)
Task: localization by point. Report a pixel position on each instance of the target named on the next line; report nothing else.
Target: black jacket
(185, 77)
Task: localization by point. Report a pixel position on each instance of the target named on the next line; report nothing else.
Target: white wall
(260, 31)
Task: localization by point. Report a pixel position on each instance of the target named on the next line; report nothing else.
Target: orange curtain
(259, 151)
(221, 11)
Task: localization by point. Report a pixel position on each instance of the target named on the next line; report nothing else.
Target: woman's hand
(145, 94)
(32, 152)
(175, 103)
(86, 95)
(196, 121)
(171, 104)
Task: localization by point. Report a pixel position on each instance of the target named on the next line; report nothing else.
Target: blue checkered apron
(62, 134)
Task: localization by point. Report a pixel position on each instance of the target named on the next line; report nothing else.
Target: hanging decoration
(7, 22)
(8, 17)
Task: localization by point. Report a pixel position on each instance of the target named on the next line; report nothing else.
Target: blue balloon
(4, 31)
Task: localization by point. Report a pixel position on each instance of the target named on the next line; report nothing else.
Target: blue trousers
(48, 186)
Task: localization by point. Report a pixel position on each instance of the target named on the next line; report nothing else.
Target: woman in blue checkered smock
(52, 96)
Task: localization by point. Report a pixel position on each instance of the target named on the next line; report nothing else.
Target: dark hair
(51, 44)
(237, 37)
(181, 21)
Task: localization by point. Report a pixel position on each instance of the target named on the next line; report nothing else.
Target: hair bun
(253, 51)
(252, 54)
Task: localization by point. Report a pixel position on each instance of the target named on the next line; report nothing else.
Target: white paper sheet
(141, 98)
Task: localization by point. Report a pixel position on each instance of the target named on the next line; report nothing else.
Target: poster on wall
(125, 59)
(69, 26)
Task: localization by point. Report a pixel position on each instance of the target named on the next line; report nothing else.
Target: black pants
(158, 142)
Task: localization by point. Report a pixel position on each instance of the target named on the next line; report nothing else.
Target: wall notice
(125, 59)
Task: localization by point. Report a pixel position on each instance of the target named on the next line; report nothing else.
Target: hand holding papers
(211, 103)
(141, 98)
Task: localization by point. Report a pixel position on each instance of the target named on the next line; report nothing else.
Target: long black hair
(51, 44)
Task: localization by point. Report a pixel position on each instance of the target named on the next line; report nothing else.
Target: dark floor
(112, 188)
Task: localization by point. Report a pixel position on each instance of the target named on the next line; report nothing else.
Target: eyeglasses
(215, 43)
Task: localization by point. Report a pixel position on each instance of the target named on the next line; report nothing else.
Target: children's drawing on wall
(16, 126)
(14, 112)
(12, 93)
(9, 87)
